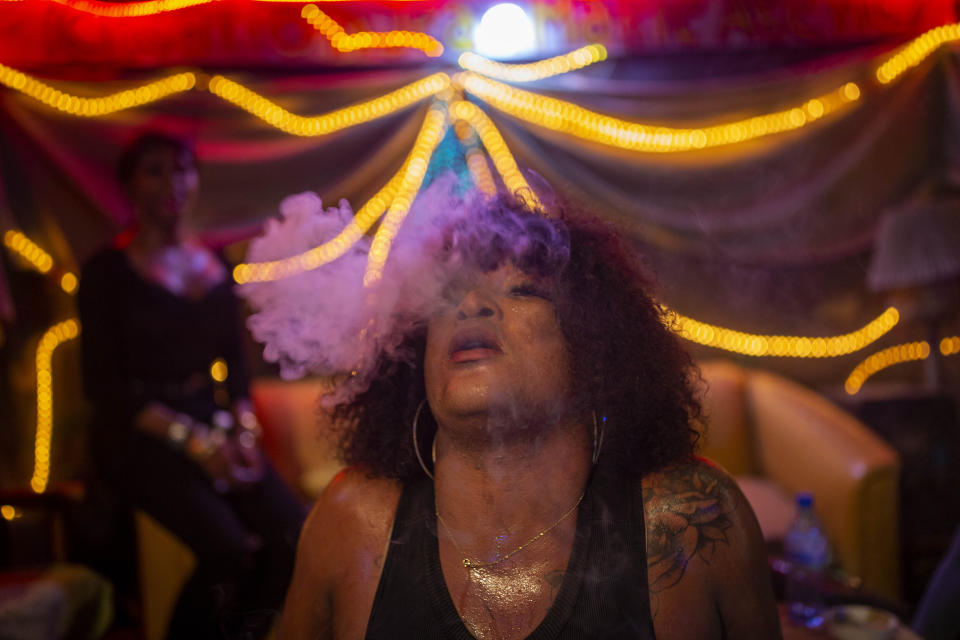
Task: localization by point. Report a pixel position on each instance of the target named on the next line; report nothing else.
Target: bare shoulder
(355, 497)
(340, 556)
(690, 511)
(705, 555)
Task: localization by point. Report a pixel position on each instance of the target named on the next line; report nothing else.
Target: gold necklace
(472, 565)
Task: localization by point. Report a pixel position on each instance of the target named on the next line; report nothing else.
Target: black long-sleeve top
(142, 343)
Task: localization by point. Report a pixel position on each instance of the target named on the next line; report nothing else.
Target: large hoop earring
(597, 437)
(416, 445)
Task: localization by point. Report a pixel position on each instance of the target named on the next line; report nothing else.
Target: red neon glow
(149, 7)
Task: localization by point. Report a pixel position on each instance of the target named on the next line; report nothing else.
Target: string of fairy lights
(916, 51)
(496, 148)
(25, 248)
(36, 258)
(391, 204)
(434, 126)
(473, 155)
(52, 338)
(567, 117)
(273, 114)
(907, 352)
(757, 345)
(91, 107)
(345, 43)
(576, 59)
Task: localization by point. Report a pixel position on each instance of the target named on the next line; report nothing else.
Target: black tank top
(604, 592)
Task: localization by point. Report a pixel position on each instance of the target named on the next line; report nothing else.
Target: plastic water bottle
(808, 551)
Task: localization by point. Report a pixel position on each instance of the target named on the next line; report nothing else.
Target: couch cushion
(772, 504)
(727, 439)
(297, 431)
(806, 443)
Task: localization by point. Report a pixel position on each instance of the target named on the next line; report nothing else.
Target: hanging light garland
(497, 149)
(37, 258)
(434, 126)
(750, 344)
(536, 109)
(330, 250)
(570, 118)
(475, 158)
(282, 119)
(92, 107)
(888, 357)
(582, 57)
(27, 249)
(346, 43)
(232, 92)
(18, 243)
(916, 51)
(907, 352)
(52, 338)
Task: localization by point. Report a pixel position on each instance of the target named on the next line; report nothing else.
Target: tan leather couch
(297, 431)
(778, 438)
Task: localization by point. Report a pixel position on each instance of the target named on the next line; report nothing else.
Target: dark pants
(244, 541)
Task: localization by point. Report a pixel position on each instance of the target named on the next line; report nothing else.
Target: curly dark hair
(628, 365)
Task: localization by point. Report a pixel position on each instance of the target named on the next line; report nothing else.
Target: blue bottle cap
(805, 499)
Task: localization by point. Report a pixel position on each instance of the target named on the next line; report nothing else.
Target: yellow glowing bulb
(950, 346)
(68, 282)
(218, 370)
(8, 512)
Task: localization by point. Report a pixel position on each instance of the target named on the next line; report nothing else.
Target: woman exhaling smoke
(519, 425)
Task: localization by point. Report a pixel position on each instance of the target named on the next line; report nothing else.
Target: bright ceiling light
(505, 31)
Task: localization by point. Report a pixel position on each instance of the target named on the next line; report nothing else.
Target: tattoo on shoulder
(689, 514)
(554, 579)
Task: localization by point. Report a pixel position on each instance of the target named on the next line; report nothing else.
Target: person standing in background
(156, 314)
